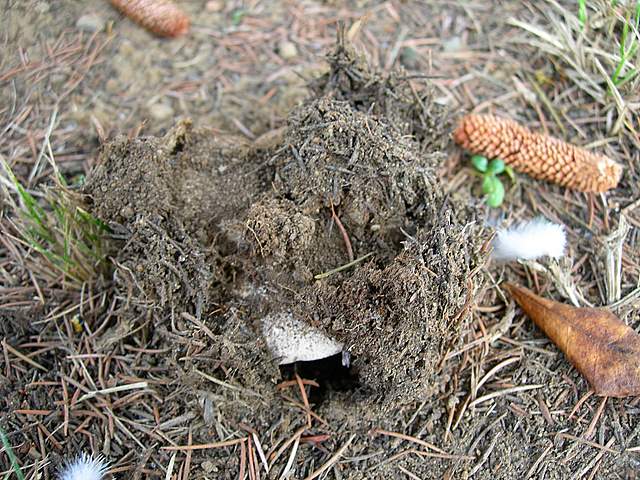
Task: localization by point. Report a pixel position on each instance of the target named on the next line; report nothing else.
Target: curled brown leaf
(601, 347)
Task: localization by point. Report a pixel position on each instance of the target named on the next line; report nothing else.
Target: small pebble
(127, 212)
(91, 22)
(410, 58)
(214, 6)
(287, 50)
(160, 111)
(452, 44)
(41, 7)
(112, 85)
(209, 467)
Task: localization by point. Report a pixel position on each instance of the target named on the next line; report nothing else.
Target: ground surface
(189, 282)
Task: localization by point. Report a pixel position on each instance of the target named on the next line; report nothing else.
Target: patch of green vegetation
(12, 457)
(237, 16)
(67, 238)
(492, 186)
(628, 47)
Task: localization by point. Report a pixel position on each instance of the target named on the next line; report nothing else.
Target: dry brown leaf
(603, 349)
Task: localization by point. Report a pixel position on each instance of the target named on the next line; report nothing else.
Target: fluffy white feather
(291, 340)
(85, 467)
(530, 240)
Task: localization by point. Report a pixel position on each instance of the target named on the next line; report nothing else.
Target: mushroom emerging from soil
(290, 340)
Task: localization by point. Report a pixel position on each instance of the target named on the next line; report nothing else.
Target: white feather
(530, 240)
(85, 467)
(291, 340)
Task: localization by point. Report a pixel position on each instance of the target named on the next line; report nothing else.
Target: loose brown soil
(211, 223)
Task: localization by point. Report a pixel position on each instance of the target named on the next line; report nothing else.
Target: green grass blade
(87, 217)
(582, 12)
(12, 457)
(625, 53)
(71, 241)
(628, 77)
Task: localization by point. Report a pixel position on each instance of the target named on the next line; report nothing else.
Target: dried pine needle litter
(161, 17)
(541, 156)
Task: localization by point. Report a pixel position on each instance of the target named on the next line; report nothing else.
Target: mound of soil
(398, 319)
(226, 233)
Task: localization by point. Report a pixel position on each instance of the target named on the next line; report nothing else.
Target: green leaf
(495, 198)
(489, 184)
(479, 163)
(496, 166)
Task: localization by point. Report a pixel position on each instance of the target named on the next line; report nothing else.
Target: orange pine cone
(161, 17)
(541, 156)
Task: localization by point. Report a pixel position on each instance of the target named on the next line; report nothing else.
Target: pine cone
(540, 156)
(161, 17)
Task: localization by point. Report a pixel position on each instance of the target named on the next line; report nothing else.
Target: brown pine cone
(541, 156)
(161, 17)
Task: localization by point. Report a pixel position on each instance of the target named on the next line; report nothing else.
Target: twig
(243, 461)
(206, 446)
(295, 437)
(587, 442)
(493, 371)
(292, 457)
(258, 445)
(594, 422)
(22, 356)
(535, 465)
(403, 436)
(343, 267)
(408, 473)
(305, 400)
(187, 460)
(613, 260)
(343, 231)
(119, 388)
(172, 462)
(334, 458)
(500, 393)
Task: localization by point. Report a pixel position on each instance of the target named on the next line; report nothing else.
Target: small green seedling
(492, 186)
(71, 240)
(627, 49)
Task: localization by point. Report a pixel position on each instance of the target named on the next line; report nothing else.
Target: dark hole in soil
(329, 373)
(179, 146)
